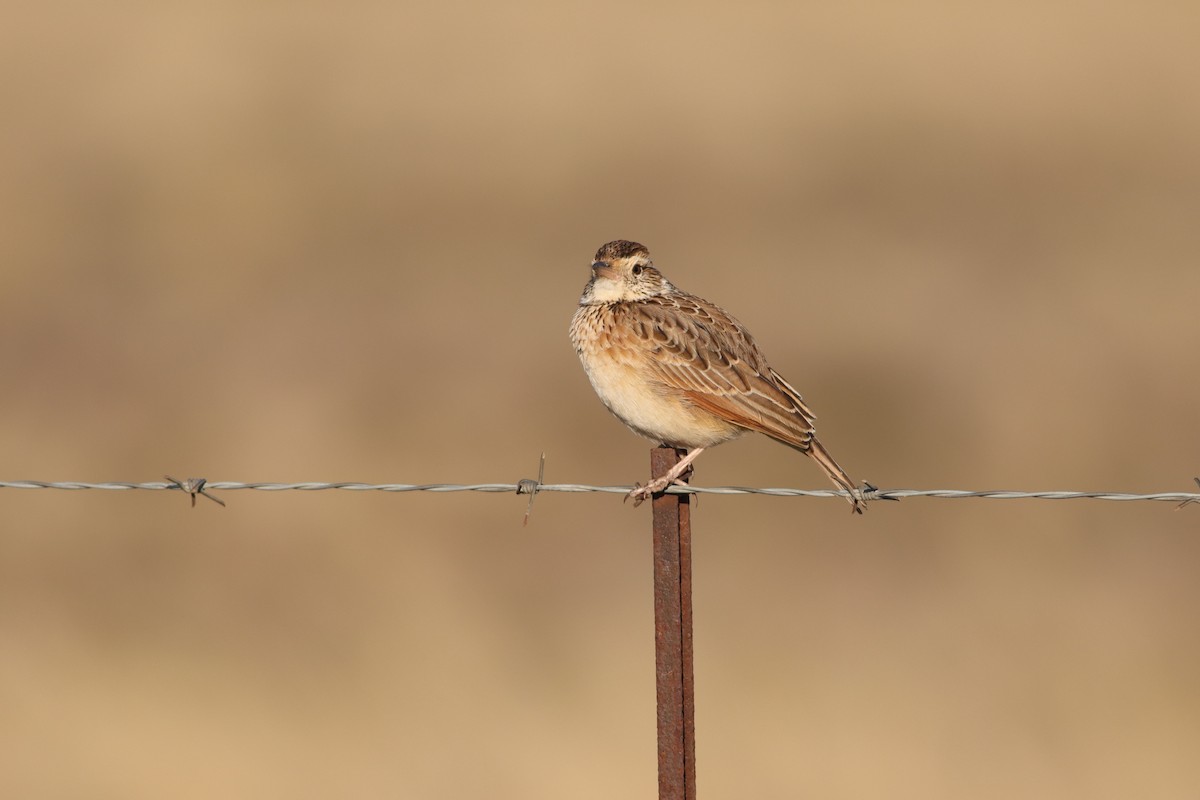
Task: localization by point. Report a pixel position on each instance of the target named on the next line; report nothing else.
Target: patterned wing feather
(703, 352)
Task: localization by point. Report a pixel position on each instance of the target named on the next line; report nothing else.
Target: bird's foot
(680, 473)
(639, 494)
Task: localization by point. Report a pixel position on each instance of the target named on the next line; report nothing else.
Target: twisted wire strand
(531, 487)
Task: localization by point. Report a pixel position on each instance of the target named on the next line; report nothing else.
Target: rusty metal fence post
(673, 635)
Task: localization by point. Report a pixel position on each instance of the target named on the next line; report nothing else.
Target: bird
(681, 371)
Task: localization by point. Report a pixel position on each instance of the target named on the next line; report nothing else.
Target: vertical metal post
(673, 635)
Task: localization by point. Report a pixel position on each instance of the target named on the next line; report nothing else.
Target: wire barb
(193, 486)
(869, 492)
(531, 488)
(1190, 499)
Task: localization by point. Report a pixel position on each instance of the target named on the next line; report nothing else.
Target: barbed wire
(202, 486)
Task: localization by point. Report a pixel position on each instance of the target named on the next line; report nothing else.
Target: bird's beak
(602, 269)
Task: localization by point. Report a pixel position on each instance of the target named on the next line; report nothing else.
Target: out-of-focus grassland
(319, 242)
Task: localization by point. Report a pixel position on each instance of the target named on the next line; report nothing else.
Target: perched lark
(681, 371)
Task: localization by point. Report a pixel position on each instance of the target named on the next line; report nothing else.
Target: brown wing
(701, 351)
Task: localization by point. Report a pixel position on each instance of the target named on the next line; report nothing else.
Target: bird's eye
(637, 269)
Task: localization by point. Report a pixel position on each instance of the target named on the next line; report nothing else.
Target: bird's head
(622, 271)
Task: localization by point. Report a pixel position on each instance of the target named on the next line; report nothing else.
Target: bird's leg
(640, 493)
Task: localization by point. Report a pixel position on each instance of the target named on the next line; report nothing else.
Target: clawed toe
(678, 474)
(639, 493)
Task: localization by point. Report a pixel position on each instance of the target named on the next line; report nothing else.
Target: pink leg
(640, 493)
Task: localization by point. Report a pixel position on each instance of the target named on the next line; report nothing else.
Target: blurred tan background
(326, 241)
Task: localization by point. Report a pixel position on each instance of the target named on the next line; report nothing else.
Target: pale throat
(609, 291)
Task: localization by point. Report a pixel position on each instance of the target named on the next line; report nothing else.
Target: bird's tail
(837, 475)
